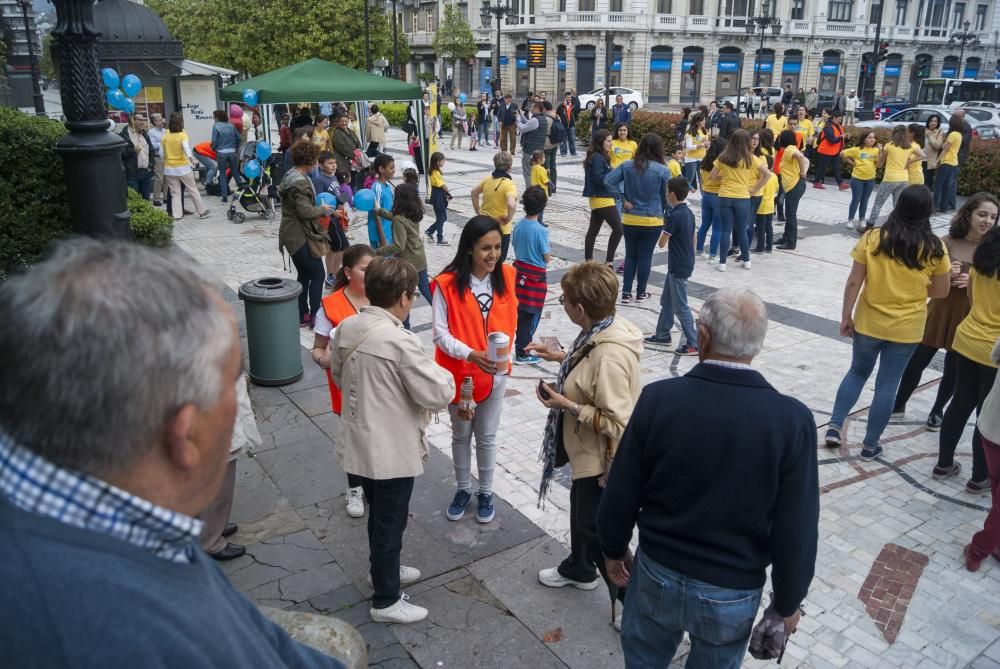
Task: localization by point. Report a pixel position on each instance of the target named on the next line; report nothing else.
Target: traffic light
(694, 70)
(923, 68)
(883, 51)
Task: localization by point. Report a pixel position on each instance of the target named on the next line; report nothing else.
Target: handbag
(360, 161)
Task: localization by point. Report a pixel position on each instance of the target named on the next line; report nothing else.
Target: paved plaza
(890, 588)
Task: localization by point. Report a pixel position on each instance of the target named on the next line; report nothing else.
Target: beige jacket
(605, 383)
(391, 386)
(933, 142)
(375, 127)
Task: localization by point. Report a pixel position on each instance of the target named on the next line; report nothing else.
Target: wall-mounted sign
(829, 69)
(892, 70)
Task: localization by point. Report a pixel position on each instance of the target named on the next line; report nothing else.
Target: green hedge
(34, 205)
(395, 113)
(981, 170)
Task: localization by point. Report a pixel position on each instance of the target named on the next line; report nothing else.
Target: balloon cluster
(253, 168)
(121, 90)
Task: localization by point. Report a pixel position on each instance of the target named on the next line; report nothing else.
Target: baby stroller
(253, 195)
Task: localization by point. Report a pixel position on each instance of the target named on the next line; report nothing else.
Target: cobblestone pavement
(890, 589)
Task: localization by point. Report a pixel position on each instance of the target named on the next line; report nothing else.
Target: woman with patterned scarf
(589, 406)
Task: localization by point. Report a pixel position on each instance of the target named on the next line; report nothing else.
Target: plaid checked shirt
(32, 483)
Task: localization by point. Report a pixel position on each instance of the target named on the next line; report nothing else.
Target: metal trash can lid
(270, 289)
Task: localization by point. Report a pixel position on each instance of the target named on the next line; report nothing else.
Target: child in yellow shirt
(765, 212)
(675, 162)
(539, 175)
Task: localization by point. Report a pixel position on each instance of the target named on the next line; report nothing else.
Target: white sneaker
(355, 502)
(704, 255)
(720, 267)
(618, 621)
(850, 225)
(746, 264)
(553, 579)
(407, 575)
(401, 612)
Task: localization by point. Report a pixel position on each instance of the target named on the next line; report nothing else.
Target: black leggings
(311, 275)
(599, 217)
(972, 384)
(922, 357)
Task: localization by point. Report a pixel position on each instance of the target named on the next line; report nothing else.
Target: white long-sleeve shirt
(482, 289)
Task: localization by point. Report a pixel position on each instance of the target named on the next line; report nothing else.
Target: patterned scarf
(553, 435)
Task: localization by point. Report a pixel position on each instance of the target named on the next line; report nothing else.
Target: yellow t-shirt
(708, 186)
(775, 124)
(915, 169)
(865, 161)
(601, 202)
(895, 163)
(817, 131)
(790, 168)
(699, 153)
(173, 149)
(893, 302)
(622, 150)
(736, 181)
(806, 126)
(321, 138)
(437, 179)
(977, 334)
(494, 203)
(642, 221)
(767, 195)
(950, 157)
(674, 167)
(540, 177)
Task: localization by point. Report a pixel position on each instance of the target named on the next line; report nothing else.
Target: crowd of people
(636, 455)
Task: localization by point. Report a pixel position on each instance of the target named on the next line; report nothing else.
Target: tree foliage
(47, 64)
(258, 37)
(453, 38)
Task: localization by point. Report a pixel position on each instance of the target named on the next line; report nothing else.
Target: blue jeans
(569, 144)
(661, 605)
(640, 241)
(143, 184)
(482, 132)
(710, 217)
(690, 172)
(232, 162)
(892, 358)
(861, 190)
(674, 302)
(424, 286)
(945, 186)
(211, 167)
(734, 212)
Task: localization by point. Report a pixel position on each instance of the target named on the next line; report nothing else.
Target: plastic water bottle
(466, 404)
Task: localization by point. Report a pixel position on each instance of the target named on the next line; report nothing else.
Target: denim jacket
(645, 190)
(593, 177)
(225, 137)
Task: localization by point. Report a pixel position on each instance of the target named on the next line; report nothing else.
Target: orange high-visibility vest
(338, 309)
(831, 148)
(466, 323)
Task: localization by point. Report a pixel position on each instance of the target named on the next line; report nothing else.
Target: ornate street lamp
(963, 37)
(499, 9)
(36, 91)
(761, 23)
(91, 153)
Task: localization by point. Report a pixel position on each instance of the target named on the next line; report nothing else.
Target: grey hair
(737, 319)
(503, 160)
(100, 344)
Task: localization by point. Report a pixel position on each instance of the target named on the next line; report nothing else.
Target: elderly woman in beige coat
(590, 403)
(376, 126)
(390, 387)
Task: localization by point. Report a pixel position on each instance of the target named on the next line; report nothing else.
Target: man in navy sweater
(719, 470)
(114, 436)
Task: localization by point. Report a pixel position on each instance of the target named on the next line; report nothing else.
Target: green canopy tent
(317, 80)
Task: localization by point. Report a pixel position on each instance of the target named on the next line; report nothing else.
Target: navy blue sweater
(79, 599)
(719, 470)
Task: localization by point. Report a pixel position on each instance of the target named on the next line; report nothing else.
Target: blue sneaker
(869, 454)
(456, 511)
(331, 279)
(484, 513)
(832, 437)
(527, 360)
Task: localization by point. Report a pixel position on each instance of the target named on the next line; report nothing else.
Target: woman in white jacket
(376, 126)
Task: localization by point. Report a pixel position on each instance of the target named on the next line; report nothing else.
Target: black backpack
(557, 131)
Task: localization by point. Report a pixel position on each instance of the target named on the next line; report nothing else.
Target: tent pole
(361, 107)
(422, 140)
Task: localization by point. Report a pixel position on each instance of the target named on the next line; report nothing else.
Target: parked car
(888, 106)
(632, 97)
(981, 103)
(920, 115)
(752, 96)
(982, 115)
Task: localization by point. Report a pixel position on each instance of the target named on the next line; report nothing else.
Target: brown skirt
(943, 316)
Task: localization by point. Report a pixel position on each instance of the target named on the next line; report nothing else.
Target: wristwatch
(575, 409)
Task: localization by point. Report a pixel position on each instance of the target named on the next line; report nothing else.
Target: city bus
(944, 92)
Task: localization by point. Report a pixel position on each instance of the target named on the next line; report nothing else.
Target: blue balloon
(250, 97)
(263, 151)
(326, 198)
(129, 106)
(462, 98)
(110, 77)
(364, 200)
(252, 169)
(116, 99)
(131, 85)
